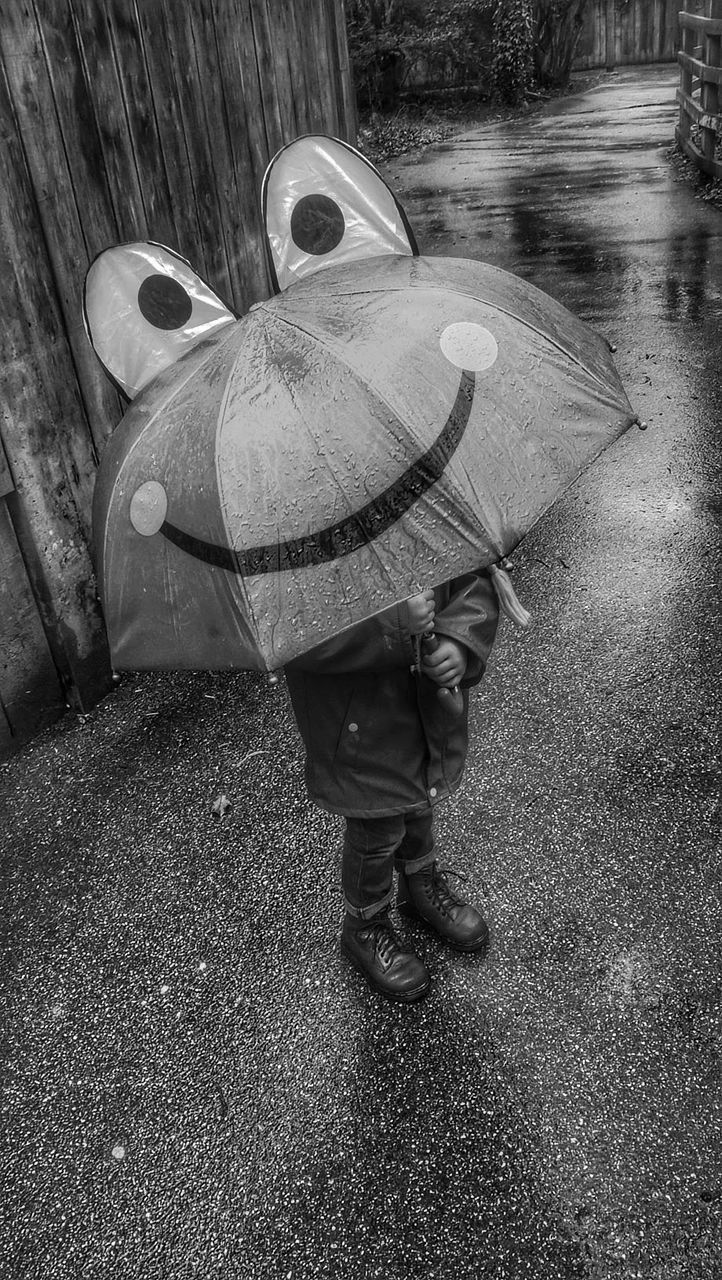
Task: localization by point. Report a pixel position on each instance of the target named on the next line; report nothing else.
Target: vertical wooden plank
(295, 69)
(159, 54)
(248, 149)
(31, 696)
(348, 123)
(277, 110)
(610, 35)
(77, 123)
(709, 96)
(321, 71)
(644, 15)
(673, 25)
(212, 135)
(45, 434)
(639, 29)
(685, 84)
(85, 156)
(33, 103)
(195, 75)
(656, 30)
(241, 76)
(113, 66)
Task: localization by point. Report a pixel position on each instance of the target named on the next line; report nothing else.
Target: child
(382, 748)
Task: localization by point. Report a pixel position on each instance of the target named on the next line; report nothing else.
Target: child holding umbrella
(383, 748)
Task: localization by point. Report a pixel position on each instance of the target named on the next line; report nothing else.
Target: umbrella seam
(437, 288)
(172, 392)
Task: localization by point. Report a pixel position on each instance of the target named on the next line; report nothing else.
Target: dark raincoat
(378, 740)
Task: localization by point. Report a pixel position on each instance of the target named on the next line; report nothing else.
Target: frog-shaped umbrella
(385, 422)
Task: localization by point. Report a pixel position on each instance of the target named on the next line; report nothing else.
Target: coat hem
(430, 802)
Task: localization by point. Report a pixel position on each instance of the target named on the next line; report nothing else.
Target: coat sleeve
(470, 616)
(376, 644)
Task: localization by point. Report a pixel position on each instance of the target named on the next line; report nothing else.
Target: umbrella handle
(450, 697)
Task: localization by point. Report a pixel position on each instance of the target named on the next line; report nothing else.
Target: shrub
(557, 28)
(445, 41)
(512, 67)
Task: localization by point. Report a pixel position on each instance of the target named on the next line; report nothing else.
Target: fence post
(610, 35)
(685, 81)
(709, 97)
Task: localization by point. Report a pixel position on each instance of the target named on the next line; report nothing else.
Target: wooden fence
(699, 132)
(623, 32)
(121, 120)
(612, 33)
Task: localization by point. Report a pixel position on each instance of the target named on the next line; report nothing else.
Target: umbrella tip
(272, 678)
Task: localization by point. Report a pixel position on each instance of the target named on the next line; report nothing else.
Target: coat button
(432, 791)
(353, 728)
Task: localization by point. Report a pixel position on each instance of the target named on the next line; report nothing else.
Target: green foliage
(512, 67)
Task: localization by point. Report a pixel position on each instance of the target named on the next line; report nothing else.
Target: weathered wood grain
(280, 125)
(637, 31)
(30, 693)
(56, 209)
(248, 151)
(6, 480)
(44, 432)
(700, 88)
(124, 120)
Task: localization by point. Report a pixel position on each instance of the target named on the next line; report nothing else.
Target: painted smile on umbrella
(149, 503)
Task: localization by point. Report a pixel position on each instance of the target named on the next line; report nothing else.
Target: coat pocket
(349, 730)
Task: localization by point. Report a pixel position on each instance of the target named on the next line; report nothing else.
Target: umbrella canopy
(377, 428)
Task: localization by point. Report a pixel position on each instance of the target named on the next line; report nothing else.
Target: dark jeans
(372, 847)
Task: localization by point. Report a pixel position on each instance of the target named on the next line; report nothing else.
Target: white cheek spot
(469, 346)
(148, 508)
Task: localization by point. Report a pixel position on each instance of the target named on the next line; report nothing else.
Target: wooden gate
(699, 132)
(122, 120)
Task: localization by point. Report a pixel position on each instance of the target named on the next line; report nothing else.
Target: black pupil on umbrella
(164, 302)
(317, 224)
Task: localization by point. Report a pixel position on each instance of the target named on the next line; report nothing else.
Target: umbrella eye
(317, 224)
(164, 302)
(324, 204)
(148, 508)
(144, 307)
(469, 346)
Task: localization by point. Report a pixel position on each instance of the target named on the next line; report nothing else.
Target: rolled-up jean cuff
(368, 913)
(416, 864)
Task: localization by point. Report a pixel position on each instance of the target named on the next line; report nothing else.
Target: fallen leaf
(220, 806)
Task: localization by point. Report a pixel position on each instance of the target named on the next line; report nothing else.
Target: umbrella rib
(299, 409)
(233, 565)
(170, 395)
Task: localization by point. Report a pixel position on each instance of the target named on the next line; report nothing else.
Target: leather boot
(426, 896)
(372, 945)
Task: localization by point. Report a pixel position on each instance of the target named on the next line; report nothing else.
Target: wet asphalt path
(194, 1084)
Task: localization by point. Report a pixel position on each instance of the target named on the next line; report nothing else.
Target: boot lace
(386, 943)
(446, 899)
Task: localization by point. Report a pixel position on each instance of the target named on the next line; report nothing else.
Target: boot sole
(404, 997)
(410, 913)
